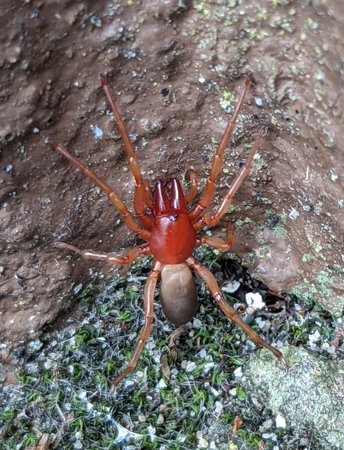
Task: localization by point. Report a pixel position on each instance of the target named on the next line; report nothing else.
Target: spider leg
(214, 219)
(217, 242)
(148, 299)
(228, 311)
(132, 158)
(147, 195)
(217, 161)
(191, 176)
(111, 194)
(127, 258)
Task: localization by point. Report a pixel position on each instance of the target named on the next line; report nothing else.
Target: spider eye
(173, 217)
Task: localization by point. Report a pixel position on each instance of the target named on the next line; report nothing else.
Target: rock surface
(175, 68)
(308, 397)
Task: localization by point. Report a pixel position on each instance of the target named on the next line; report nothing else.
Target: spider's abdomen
(173, 238)
(178, 293)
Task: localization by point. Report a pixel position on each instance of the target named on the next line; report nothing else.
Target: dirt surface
(175, 68)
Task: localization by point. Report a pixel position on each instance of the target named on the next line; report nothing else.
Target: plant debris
(187, 388)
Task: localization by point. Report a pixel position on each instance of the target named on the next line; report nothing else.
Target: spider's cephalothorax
(170, 231)
(173, 238)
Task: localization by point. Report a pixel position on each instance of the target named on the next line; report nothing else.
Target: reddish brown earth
(288, 214)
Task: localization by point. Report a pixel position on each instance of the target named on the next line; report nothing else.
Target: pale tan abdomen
(178, 293)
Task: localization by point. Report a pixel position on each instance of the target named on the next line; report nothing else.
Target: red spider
(170, 229)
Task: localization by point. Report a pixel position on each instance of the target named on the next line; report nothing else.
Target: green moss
(252, 440)
(321, 292)
(200, 8)
(307, 257)
(227, 101)
(241, 394)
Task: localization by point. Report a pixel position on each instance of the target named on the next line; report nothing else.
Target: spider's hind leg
(228, 311)
(148, 306)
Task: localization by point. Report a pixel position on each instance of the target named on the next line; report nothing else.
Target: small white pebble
(268, 435)
(333, 176)
(238, 372)
(263, 324)
(202, 443)
(202, 354)
(197, 324)
(230, 287)
(151, 430)
(207, 368)
(77, 445)
(255, 300)
(294, 214)
(280, 422)
(189, 366)
(304, 442)
(314, 337)
(160, 419)
(267, 424)
(97, 132)
(161, 384)
(214, 392)
(258, 101)
(218, 407)
(331, 349)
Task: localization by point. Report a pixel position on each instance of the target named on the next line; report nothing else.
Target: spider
(170, 225)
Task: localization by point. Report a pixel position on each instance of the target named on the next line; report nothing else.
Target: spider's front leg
(213, 219)
(191, 177)
(208, 193)
(107, 189)
(148, 306)
(230, 312)
(141, 193)
(127, 258)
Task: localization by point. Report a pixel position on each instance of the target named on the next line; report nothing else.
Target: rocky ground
(176, 69)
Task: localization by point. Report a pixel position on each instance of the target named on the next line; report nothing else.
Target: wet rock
(289, 233)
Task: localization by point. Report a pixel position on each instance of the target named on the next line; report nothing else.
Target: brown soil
(288, 214)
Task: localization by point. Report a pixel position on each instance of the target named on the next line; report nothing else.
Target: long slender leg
(111, 194)
(147, 195)
(210, 280)
(148, 300)
(143, 198)
(127, 258)
(217, 161)
(140, 198)
(214, 219)
(132, 158)
(217, 242)
(191, 176)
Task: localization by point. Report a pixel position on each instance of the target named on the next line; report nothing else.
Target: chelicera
(169, 224)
